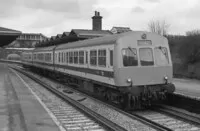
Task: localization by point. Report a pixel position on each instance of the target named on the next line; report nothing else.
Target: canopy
(8, 35)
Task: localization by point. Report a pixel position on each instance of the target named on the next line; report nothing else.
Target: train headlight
(166, 79)
(129, 80)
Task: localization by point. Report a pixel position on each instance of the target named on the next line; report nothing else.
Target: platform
(19, 109)
(188, 87)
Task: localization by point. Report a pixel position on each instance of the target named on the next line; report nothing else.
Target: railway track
(169, 121)
(152, 118)
(71, 114)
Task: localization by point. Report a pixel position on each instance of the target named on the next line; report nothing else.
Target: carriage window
(111, 57)
(86, 57)
(58, 57)
(161, 56)
(46, 56)
(146, 57)
(76, 57)
(35, 57)
(130, 57)
(67, 58)
(81, 57)
(102, 57)
(64, 57)
(70, 57)
(93, 57)
(49, 57)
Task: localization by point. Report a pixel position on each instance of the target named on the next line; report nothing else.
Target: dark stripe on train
(109, 74)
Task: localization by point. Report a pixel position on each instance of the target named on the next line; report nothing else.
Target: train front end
(144, 68)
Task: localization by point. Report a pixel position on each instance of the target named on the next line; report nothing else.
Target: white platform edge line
(44, 106)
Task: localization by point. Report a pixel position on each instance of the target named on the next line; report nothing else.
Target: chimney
(97, 21)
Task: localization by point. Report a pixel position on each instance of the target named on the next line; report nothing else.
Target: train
(131, 69)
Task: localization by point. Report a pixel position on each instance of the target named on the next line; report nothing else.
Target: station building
(25, 41)
(81, 34)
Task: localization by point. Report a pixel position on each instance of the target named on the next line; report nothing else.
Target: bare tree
(193, 32)
(160, 27)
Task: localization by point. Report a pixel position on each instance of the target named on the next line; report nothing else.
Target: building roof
(53, 37)
(48, 48)
(19, 48)
(83, 33)
(8, 35)
(65, 34)
(58, 36)
(115, 30)
(6, 31)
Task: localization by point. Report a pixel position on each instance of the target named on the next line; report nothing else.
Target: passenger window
(102, 58)
(59, 57)
(76, 57)
(130, 57)
(67, 57)
(111, 57)
(71, 57)
(161, 56)
(86, 57)
(93, 57)
(62, 57)
(81, 57)
(146, 57)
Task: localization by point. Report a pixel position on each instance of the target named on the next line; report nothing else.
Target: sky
(52, 17)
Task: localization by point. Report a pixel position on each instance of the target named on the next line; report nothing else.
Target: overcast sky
(51, 17)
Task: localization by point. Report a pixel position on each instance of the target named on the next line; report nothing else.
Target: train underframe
(130, 98)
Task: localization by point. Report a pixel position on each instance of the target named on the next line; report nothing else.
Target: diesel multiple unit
(130, 68)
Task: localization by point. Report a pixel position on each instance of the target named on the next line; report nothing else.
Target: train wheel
(125, 101)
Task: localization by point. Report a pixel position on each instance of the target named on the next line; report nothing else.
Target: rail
(103, 121)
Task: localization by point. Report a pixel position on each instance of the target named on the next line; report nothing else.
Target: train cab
(141, 60)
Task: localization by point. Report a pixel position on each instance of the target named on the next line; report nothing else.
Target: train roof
(48, 48)
(100, 40)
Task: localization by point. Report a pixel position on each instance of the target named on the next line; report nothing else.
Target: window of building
(102, 57)
(129, 57)
(111, 57)
(28, 37)
(146, 56)
(76, 57)
(81, 57)
(93, 57)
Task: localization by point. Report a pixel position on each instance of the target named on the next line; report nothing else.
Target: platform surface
(19, 109)
(188, 87)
